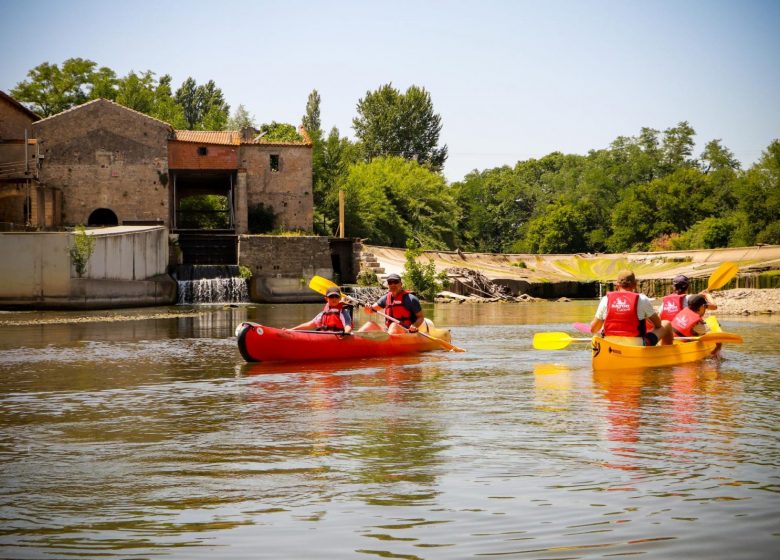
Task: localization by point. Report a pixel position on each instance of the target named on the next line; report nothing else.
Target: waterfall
(207, 283)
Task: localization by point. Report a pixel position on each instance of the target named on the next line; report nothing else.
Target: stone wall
(103, 155)
(287, 190)
(283, 266)
(13, 121)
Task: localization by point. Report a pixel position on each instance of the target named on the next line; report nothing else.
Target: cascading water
(206, 283)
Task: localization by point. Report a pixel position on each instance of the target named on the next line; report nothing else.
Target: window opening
(274, 162)
(203, 151)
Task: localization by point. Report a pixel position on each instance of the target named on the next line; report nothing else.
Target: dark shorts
(650, 339)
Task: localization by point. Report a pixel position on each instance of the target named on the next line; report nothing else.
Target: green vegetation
(367, 278)
(262, 218)
(244, 272)
(643, 192)
(82, 249)
(204, 211)
(421, 278)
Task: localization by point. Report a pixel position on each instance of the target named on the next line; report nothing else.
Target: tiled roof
(233, 138)
(224, 137)
(101, 100)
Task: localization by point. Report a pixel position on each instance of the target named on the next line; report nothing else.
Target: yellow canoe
(609, 354)
(612, 354)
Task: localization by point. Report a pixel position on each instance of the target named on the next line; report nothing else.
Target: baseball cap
(680, 280)
(332, 292)
(625, 278)
(393, 276)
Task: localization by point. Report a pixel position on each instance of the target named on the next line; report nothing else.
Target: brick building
(116, 166)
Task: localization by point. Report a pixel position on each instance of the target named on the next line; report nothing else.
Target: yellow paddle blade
(321, 285)
(554, 340)
(722, 275)
(721, 337)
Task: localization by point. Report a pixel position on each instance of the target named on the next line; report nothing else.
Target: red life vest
(395, 308)
(671, 306)
(684, 322)
(330, 318)
(622, 317)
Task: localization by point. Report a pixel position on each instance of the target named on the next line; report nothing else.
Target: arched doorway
(103, 217)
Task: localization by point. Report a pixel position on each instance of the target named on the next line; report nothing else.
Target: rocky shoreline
(739, 301)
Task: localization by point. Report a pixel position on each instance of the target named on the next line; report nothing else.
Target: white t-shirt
(644, 308)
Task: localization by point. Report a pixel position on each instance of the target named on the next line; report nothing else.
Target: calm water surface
(152, 438)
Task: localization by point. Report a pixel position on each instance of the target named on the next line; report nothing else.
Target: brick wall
(184, 155)
(288, 190)
(103, 155)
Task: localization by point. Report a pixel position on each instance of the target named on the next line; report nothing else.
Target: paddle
(560, 340)
(321, 285)
(722, 275)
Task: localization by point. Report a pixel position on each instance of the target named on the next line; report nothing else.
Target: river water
(144, 438)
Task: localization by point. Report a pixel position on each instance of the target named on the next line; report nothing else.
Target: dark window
(274, 162)
(203, 151)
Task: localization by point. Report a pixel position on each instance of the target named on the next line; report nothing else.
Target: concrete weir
(126, 269)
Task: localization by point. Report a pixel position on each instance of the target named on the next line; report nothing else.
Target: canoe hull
(608, 355)
(258, 343)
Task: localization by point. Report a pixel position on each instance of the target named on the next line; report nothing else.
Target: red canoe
(258, 343)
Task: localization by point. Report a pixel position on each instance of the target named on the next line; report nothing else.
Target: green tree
(137, 91)
(311, 120)
(241, 119)
(165, 107)
(51, 89)
(391, 123)
(758, 199)
(678, 146)
(204, 106)
(421, 278)
(279, 132)
(390, 200)
(561, 229)
(330, 165)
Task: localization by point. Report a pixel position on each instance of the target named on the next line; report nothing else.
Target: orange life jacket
(330, 318)
(672, 305)
(395, 308)
(622, 317)
(684, 322)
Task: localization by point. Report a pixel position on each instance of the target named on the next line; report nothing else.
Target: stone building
(24, 203)
(116, 166)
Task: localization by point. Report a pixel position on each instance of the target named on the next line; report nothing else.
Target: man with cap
(676, 302)
(334, 317)
(689, 322)
(624, 313)
(401, 305)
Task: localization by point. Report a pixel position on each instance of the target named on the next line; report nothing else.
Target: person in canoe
(690, 321)
(676, 302)
(336, 315)
(400, 304)
(624, 313)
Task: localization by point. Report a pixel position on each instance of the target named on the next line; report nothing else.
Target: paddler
(676, 302)
(689, 321)
(623, 313)
(335, 316)
(399, 304)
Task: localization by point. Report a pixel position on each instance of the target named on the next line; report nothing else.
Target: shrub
(421, 278)
(367, 278)
(82, 249)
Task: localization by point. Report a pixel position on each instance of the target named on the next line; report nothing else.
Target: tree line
(643, 192)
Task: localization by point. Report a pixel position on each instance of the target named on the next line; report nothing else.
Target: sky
(512, 80)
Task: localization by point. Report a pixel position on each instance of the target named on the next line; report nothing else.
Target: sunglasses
(332, 296)
(393, 281)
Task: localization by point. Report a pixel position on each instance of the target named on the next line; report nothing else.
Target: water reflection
(151, 436)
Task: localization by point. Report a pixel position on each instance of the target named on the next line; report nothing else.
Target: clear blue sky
(512, 80)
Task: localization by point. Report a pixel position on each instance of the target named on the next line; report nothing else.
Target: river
(142, 438)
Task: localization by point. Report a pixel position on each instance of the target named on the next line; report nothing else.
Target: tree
(204, 106)
(51, 89)
(331, 160)
(678, 146)
(390, 200)
(165, 107)
(241, 119)
(311, 120)
(716, 157)
(390, 123)
(136, 91)
(279, 132)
